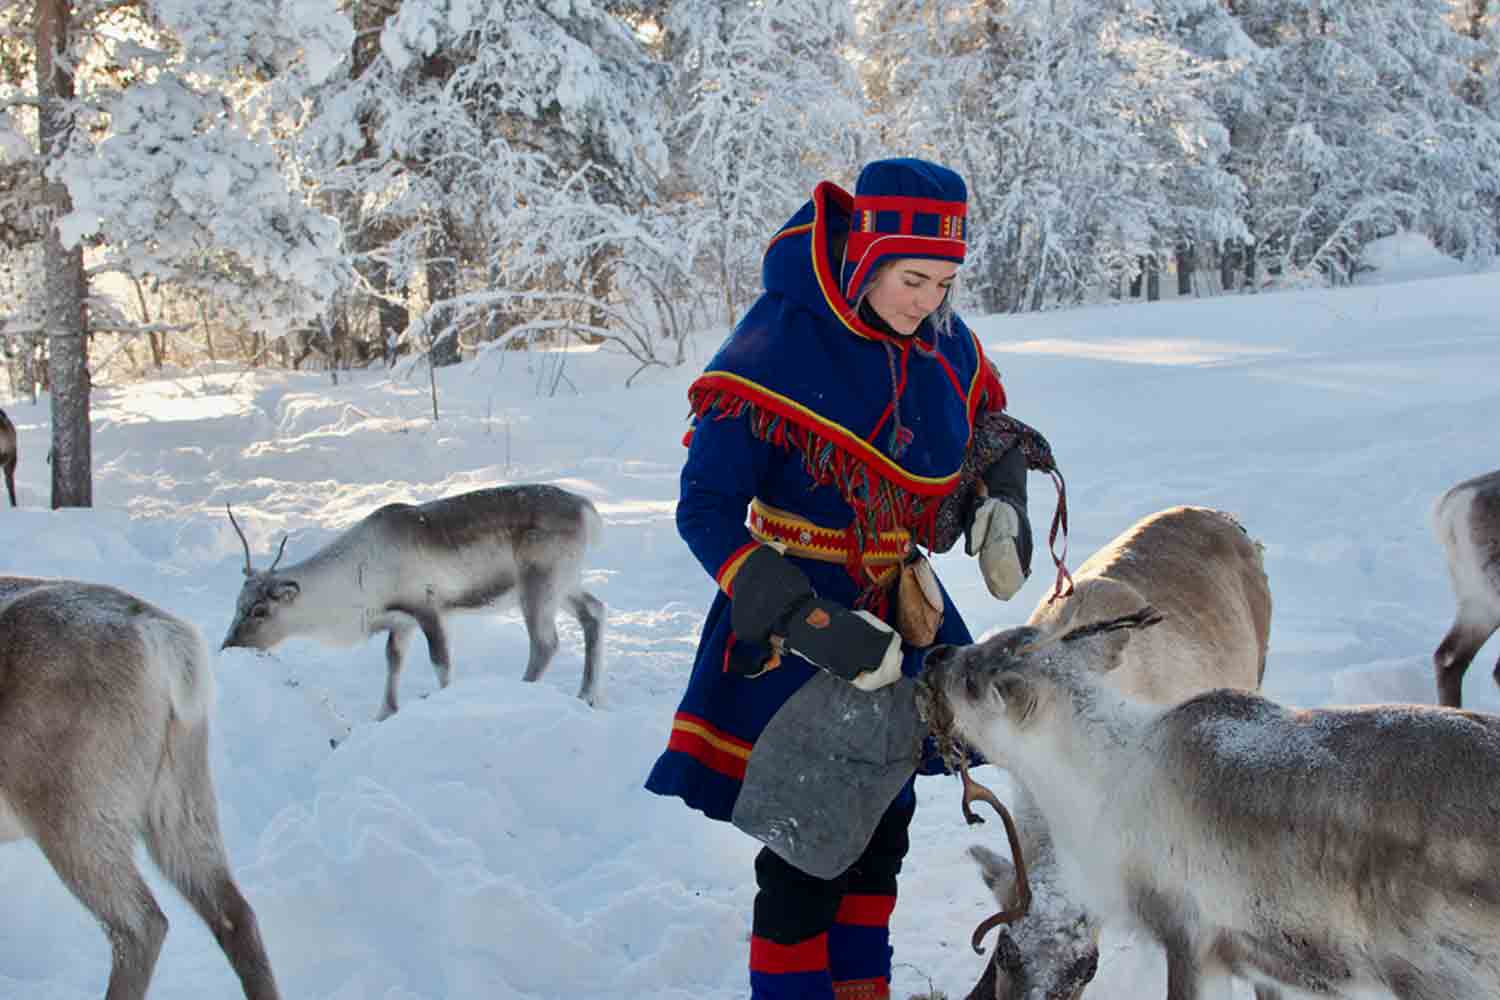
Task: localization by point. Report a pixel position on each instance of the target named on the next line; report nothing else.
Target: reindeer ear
(1105, 650)
(284, 590)
(1016, 692)
(998, 873)
(1102, 643)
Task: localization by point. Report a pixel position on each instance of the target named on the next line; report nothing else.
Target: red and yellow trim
(709, 746)
(985, 381)
(836, 434)
(727, 572)
(828, 282)
(806, 540)
(862, 989)
(788, 231)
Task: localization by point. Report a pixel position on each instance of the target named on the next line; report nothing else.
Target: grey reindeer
(105, 704)
(8, 455)
(1324, 852)
(1201, 569)
(1466, 520)
(405, 567)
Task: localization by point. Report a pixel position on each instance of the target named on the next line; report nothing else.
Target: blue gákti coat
(797, 411)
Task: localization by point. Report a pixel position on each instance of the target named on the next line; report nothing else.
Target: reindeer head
(1022, 682)
(1050, 953)
(1016, 687)
(260, 615)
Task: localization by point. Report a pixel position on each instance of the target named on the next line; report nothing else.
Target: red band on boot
(777, 959)
(865, 911)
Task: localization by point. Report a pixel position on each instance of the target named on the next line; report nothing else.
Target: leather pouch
(919, 602)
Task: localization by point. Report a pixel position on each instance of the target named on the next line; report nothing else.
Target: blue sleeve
(726, 463)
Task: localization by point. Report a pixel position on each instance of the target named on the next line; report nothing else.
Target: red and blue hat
(904, 207)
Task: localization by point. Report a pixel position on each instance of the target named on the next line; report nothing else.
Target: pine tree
(1084, 130)
(494, 156)
(764, 105)
(1359, 128)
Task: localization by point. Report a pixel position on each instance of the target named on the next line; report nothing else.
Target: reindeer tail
(593, 524)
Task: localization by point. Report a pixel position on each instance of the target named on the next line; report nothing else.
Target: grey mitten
(774, 598)
(998, 530)
(825, 768)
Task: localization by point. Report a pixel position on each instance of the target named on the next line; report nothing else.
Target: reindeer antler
(279, 551)
(974, 790)
(249, 569)
(1143, 618)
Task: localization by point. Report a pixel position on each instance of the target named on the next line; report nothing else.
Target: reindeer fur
(1205, 574)
(406, 567)
(8, 455)
(105, 704)
(1466, 520)
(1327, 851)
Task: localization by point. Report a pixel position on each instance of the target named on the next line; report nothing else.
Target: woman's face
(909, 289)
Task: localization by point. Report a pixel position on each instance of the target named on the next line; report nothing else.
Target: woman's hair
(942, 316)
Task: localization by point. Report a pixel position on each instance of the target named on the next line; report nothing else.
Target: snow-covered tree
(764, 104)
(1359, 126)
(185, 180)
(1084, 130)
(23, 207)
(154, 126)
(481, 127)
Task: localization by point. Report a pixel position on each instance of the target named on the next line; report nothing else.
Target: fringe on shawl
(878, 504)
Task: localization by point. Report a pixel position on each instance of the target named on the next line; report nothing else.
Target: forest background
(337, 183)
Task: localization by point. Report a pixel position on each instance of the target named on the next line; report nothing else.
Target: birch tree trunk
(65, 288)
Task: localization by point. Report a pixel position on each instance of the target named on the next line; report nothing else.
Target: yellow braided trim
(800, 537)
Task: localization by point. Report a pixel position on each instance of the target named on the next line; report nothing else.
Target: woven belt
(806, 540)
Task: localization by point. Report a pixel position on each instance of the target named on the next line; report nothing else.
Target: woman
(838, 412)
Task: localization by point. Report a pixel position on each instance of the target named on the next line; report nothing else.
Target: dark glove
(774, 599)
(1006, 478)
(998, 530)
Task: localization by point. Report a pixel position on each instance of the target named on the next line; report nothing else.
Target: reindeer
(405, 567)
(1466, 520)
(1327, 852)
(1205, 573)
(105, 704)
(8, 455)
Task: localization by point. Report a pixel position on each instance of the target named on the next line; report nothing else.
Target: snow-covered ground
(493, 840)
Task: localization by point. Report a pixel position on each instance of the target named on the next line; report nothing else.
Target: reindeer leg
(395, 655)
(1183, 975)
(1166, 918)
(988, 987)
(1452, 659)
(589, 611)
(437, 645)
(98, 867)
(183, 838)
(539, 608)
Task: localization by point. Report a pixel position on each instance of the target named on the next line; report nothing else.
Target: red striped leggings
(820, 939)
